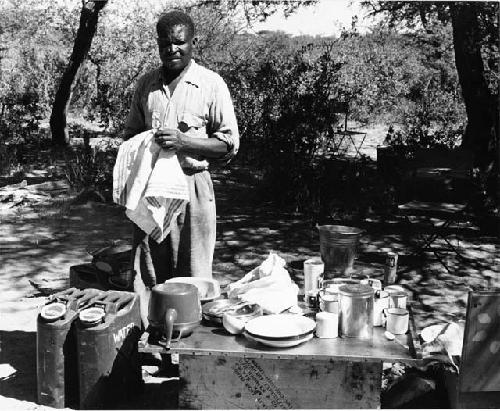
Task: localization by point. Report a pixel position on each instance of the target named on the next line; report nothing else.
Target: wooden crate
(221, 382)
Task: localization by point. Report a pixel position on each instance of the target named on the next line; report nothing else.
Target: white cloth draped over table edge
(150, 184)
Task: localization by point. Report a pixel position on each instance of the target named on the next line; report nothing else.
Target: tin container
(391, 268)
(313, 269)
(356, 310)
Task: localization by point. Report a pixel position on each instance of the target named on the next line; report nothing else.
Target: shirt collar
(188, 75)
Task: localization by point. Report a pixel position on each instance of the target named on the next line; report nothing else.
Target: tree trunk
(89, 16)
(480, 104)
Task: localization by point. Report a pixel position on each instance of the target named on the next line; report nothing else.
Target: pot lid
(356, 290)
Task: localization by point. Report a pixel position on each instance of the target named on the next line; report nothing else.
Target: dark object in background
(416, 389)
(111, 268)
(112, 259)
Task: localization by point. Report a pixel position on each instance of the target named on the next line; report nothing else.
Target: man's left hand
(170, 139)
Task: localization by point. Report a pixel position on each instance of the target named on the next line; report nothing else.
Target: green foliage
(36, 39)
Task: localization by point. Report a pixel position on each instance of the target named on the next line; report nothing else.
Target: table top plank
(209, 340)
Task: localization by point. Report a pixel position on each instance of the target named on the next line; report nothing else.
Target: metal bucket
(338, 245)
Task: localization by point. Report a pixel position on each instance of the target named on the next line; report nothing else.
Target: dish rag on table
(268, 285)
(150, 184)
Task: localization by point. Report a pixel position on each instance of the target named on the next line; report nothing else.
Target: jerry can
(107, 333)
(56, 358)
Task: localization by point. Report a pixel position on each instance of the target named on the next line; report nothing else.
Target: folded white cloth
(273, 300)
(150, 183)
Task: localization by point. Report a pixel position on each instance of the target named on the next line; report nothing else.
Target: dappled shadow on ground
(37, 244)
(18, 349)
(248, 230)
(40, 244)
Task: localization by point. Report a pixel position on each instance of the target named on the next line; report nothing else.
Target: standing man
(191, 111)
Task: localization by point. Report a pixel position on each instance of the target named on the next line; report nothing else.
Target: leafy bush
(284, 89)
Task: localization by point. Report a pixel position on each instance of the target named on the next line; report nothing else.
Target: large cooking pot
(174, 310)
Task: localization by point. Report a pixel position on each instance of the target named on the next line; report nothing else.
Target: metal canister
(356, 310)
(391, 268)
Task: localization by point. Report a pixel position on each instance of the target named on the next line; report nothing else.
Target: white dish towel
(150, 184)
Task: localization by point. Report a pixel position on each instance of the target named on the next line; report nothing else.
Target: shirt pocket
(192, 124)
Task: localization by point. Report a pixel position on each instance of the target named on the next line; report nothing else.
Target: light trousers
(189, 248)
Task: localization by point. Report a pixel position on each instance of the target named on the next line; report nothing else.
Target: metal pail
(338, 245)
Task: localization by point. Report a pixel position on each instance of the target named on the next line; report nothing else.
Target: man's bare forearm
(206, 147)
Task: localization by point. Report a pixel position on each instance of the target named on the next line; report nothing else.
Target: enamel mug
(397, 320)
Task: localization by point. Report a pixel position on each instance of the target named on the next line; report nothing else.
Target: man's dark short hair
(174, 18)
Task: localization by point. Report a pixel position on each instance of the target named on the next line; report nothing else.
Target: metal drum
(356, 310)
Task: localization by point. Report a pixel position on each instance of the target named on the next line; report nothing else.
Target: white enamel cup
(327, 325)
(397, 320)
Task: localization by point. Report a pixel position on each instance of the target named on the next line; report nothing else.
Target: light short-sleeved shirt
(197, 103)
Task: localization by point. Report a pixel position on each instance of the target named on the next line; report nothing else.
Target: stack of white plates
(280, 330)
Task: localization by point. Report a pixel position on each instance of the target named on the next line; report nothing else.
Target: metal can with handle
(356, 310)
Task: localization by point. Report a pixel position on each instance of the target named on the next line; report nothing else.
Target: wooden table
(221, 371)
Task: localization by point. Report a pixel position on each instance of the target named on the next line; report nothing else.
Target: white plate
(279, 343)
(280, 326)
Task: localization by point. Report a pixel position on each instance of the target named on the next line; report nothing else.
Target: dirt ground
(40, 241)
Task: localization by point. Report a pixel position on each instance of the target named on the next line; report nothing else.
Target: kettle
(174, 310)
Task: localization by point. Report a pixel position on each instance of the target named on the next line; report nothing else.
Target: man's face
(175, 45)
